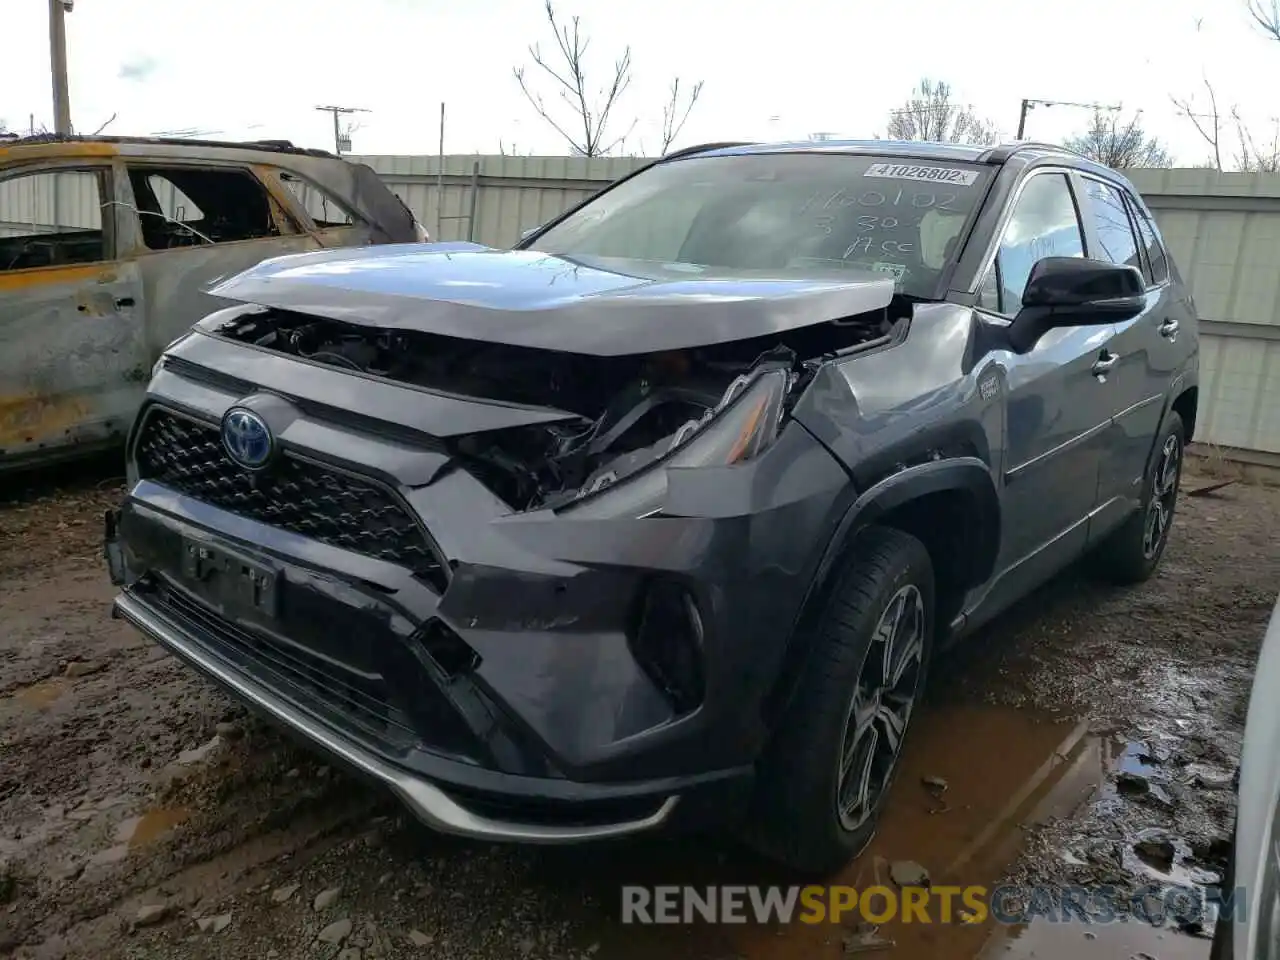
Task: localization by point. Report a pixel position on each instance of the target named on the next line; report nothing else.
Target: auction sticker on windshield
(907, 171)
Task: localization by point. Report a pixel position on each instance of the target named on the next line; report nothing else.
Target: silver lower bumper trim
(427, 801)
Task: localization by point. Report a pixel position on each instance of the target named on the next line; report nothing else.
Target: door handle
(124, 302)
(1169, 329)
(1103, 365)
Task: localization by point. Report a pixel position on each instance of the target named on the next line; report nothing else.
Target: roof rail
(704, 147)
(274, 146)
(1003, 151)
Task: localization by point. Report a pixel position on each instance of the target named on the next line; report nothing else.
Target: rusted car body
(107, 246)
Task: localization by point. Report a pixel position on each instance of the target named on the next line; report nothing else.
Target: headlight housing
(742, 426)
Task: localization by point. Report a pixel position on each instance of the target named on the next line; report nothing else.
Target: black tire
(797, 819)
(1131, 554)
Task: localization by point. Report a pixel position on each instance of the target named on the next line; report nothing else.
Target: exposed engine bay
(627, 411)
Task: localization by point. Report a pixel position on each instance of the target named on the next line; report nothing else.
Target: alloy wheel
(880, 708)
(1164, 490)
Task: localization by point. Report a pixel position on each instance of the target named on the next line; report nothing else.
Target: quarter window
(51, 219)
(1111, 222)
(1043, 224)
(1155, 252)
(324, 209)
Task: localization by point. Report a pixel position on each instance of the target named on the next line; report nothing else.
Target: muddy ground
(1088, 737)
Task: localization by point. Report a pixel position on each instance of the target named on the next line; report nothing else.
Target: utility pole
(58, 62)
(1028, 105)
(339, 141)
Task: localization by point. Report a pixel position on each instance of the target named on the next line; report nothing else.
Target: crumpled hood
(531, 299)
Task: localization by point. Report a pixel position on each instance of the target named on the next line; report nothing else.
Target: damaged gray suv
(659, 518)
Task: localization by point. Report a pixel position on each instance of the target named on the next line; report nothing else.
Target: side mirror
(1072, 292)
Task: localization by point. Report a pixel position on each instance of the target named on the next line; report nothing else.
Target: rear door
(196, 223)
(1147, 354)
(1058, 410)
(73, 362)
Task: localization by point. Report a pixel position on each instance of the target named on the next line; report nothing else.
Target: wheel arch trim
(961, 474)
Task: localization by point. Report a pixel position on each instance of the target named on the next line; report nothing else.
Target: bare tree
(930, 114)
(1254, 157)
(584, 111)
(588, 110)
(674, 116)
(1119, 144)
(1211, 127)
(1266, 14)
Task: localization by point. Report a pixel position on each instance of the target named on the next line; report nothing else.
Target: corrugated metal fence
(1223, 229)
(1224, 232)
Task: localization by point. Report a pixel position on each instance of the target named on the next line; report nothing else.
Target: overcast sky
(772, 69)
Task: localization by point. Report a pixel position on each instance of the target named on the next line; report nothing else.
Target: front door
(73, 362)
(1059, 403)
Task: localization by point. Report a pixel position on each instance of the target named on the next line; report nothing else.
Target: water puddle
(150, 826)
(1068, 941)
(43, 694)
(974, 777)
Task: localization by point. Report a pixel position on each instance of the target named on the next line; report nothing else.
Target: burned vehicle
(658, 518)
(107, 245)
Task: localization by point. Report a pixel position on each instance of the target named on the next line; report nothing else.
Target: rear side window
(1111, 221)
(190, 206)
(1155, 252)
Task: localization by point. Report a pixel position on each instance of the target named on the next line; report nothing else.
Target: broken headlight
(741, 426)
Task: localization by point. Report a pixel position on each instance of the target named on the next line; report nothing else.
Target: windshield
(800, 213)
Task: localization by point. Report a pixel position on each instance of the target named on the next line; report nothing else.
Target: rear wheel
(1132, 553)
(825, 777)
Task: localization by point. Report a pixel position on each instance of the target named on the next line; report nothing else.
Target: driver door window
(1044, 223)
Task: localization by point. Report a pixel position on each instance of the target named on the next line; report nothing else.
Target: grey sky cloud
(138, 68)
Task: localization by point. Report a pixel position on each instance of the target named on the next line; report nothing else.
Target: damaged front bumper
(431, 804)
(447, 786)
(505, 677)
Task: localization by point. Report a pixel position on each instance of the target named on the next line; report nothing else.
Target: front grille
(296, 494)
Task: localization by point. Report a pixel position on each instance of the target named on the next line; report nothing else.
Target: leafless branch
(570, 82)
(1266, 14)
(1211, 131)
(673, 116)
(583, 109)
(1253, 158)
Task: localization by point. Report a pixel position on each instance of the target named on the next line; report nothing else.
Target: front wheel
(1132, 553)
(825, 777)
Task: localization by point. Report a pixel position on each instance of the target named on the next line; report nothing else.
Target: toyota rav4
(660, 516)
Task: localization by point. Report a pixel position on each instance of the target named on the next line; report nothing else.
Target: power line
(338, 139)
(1029, 104)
